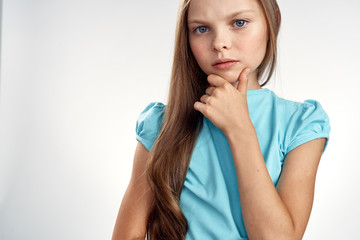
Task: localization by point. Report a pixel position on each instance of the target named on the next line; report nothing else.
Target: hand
(224, 105)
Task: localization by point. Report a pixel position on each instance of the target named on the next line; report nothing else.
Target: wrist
(242, 132)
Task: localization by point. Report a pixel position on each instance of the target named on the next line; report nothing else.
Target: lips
(224, 63)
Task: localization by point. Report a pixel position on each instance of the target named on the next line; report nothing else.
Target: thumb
(243, 80)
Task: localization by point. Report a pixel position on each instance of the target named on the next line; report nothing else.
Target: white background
(76, 74)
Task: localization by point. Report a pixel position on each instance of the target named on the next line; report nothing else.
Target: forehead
(221, 8)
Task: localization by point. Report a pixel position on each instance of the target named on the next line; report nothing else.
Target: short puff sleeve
(307, 122)
(149, 123)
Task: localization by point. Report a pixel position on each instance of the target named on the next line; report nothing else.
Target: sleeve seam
(306, 139)
(143, 141)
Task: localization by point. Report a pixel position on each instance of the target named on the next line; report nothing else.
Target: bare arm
(134, 211)
(269, 212)
(297, 182)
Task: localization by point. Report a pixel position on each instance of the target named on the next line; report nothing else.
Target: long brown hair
(170, 156)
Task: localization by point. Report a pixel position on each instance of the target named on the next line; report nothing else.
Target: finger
(199, 106)
(243, 80)
(215, 80)
(209, 91)
(204, 98)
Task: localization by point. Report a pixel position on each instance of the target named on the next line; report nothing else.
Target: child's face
(216, 32)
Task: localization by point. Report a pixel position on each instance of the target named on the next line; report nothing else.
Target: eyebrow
(191, 21)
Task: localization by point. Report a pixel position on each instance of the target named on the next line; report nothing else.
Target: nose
(221, 42)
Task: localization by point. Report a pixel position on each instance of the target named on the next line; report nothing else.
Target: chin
(230, 77)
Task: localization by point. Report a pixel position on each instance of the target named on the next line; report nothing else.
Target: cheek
(199, 51)
(254, 49)
(260, 48)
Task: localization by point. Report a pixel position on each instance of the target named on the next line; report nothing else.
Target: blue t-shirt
(210, 196)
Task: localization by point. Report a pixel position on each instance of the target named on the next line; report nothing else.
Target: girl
(225, 158)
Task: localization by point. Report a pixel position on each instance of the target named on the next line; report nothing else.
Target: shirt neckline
(257, 91)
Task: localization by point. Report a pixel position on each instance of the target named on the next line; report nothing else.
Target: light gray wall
(76, 74)
(1, 14)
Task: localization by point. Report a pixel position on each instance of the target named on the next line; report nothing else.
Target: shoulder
(289, 108)
(152, 111)
(149, 123)
(307, 107)
(303, 122)
(297, 112)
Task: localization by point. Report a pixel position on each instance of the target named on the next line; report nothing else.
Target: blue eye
(240, 23)
(200, 29)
